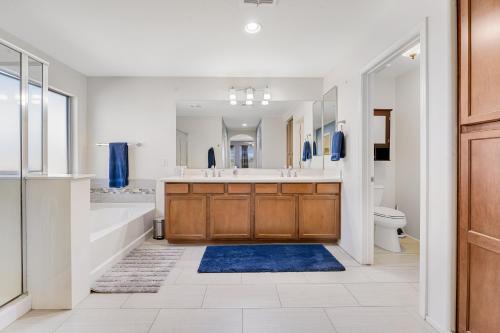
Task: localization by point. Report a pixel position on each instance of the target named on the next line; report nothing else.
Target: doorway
(368, 164)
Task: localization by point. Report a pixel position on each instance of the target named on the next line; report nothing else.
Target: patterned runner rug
(143, 270)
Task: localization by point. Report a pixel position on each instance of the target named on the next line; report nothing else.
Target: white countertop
(252, 179)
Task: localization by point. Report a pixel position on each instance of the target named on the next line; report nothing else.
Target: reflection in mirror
(248, 136)
(330, 112)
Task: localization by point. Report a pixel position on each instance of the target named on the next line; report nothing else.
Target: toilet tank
(378, 192)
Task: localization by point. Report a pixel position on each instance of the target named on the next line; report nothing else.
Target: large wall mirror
(280, 134)
(330, 120)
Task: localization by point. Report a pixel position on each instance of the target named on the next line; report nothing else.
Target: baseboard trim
(14, 310)
(99, 270)
(436, 326)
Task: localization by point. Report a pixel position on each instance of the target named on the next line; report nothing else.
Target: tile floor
(378, 298)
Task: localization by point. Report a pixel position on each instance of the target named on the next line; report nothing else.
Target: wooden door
(186, 217)
(289, 142)
(319, 217)
(275, 217)
(478, 301)
(230, 217)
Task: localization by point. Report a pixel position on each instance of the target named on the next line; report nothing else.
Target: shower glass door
(11, 254)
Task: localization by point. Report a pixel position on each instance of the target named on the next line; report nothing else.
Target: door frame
(417, 34)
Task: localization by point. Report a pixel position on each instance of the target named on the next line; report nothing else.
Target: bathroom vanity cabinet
(261, 212)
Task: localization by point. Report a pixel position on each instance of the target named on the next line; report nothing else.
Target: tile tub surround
(330, 302)
(138, 190)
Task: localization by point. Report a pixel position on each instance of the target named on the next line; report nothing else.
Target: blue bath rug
(268, 258)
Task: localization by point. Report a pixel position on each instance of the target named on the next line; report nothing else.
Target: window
(58, 124)
(58, 134)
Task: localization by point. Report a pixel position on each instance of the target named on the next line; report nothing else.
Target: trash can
(158, 228)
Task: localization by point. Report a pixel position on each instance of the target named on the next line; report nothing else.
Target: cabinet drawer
(239, 188)
(208, 188)
(297, 188)
(266, 188)
(176, 188)
(327, 188)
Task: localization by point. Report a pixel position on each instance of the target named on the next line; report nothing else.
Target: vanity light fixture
(267, 94)
(244, 125)
(253, 28)
(250, 93)
(413, 52)
(249, 102)
(232, 93)
(265, 102)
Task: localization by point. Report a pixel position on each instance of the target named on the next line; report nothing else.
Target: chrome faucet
(214, 172)
(289, 171)
(235, 170)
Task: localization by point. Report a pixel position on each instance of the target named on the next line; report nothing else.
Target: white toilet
(387, 222)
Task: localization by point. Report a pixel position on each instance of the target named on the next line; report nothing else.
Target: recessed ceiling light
(264, 102)
(244, 125)
(388, 65)
(233, 102)
(253, 27)
(249, 102)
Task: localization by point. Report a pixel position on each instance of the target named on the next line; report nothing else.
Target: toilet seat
(388, 213)
(389, 218)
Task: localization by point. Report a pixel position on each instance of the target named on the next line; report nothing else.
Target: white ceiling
(399, 65)
(235, 116)
(299, 38)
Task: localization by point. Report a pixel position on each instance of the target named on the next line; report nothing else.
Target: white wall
(441, 220)
(407, 173)
(66, 79)
(203, 133)
(273, 143)
(384, 98)
(140, 109)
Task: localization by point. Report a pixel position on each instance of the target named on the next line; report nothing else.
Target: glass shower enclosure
(23, 131)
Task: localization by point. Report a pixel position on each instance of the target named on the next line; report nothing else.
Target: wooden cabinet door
(230, 217)
(478, 299)
(186, 217)
(319, 217)
(275, 217)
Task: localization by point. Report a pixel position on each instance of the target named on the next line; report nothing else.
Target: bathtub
(115, 230)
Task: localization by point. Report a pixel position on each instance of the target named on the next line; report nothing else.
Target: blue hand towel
(211, 157)
(118, 164)
(306, 153)
(338, 146)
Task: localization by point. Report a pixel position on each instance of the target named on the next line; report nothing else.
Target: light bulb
(249, 93)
